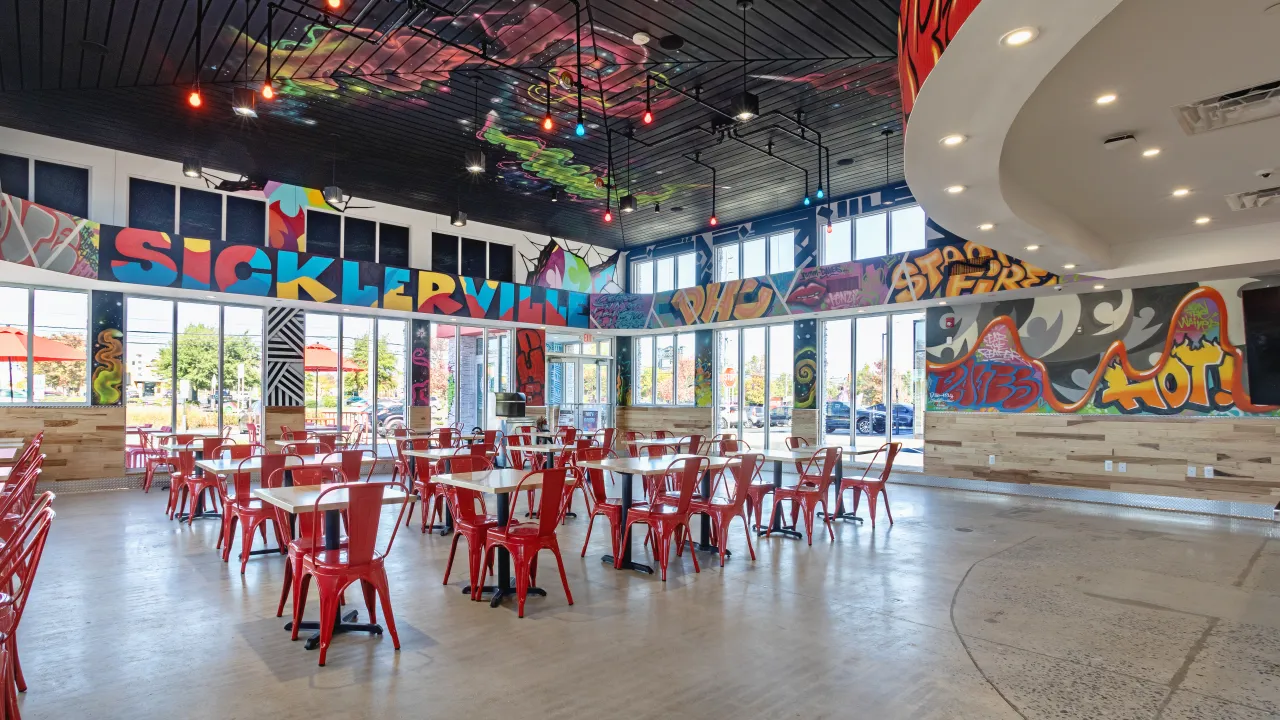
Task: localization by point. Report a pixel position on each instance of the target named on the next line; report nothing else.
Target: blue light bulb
(820, 193)
(806, 201)
(580, 130)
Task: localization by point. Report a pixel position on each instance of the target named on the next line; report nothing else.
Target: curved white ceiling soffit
(976, 89)
(1034, 164)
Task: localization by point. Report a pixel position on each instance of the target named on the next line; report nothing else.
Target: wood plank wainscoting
(294, 417)
(678, 420)
(1070, 450)
(419, 419)
(804, 423)
(81, 442)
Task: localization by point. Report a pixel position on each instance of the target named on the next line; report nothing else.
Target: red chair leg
(15, 664)
(328, 613)
(370, 599)
(453, 548)
(885, 492)
(288, 584)
(232, 519)
(564, 579)
(871, 507)
(523, 571)
(692, 555)
(590, 523)
(302, 583)
(384, 595)
(746, 528)
(857, 498)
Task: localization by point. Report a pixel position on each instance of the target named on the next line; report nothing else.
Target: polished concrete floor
(972, 606)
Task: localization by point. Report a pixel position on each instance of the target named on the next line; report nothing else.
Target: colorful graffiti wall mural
(287, 214)
(41, 237)
(806, 364)
(1149, 351)
(587, 270)
(531, 366)
(107, 374)
(703, 368)
(925, 28)
(952, 269)
(420, 364)
(146, 257)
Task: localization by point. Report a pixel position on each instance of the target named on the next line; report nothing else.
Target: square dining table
(438, 455)
(628, 468)
(802, 456)
(304, 499)
(501, 483)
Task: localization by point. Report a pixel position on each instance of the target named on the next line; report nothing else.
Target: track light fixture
(648, 110)
(332, 194)
(458, 219)
(555, 194)
(657, 207)
(887, 133)
(244, 102)
(473, 160)
(627, 204)
(192, 169)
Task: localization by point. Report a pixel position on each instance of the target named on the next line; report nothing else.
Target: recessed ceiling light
(1032, 248)
(955, 189)
(1105, 99)
(985, 226)
(1181, 192)
(1203, 220)
(1069, 266)
(951, 140)
(942, 302)
(659, 172)
(1019, 37)
(641, 38)
(1151, 152)
(1099, 286)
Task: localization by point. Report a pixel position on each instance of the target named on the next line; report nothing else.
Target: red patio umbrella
(13, 348)
(319, 358)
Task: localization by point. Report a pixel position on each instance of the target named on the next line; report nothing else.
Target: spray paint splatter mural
(1148, 351)
(587, 270)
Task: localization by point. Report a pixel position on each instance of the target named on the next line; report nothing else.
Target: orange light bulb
(547, 123)
(648, 117)
(714, 221)
(335, 4)
(194, 99)
(268, 92)
(608, 216)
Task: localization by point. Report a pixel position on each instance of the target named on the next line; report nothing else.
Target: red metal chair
(287, 434)
(493, 438)
(732, 446)
(305, 448)
(299, 546)
(19, 560)
(524, 540)
(469, 522)
(567, 435)
(606, 437)
(631, 436)
(184, 467)
(743, 471)
(252, 515)
(872, 487)
(665, 519)
(662, 434)
(161, 458)
(516, 458)
(360, 560)
(253, 432)
(352, 464)
(233, 452)
(196, 484)
(599, 500)
(691, 444)
(795, 442)
(653, 483)
(431, 495)
(811, 491)
(327, 442)
(445, 437)
(18, 496)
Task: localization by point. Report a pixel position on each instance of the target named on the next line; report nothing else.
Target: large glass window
(242, 367)
(358, 362)
(728, 262)
(642, 277)
(644, 371)
(665, 273)
(393, 369)
(871, 236)
(320, 365)
(61, 321)
(665, 357)
(666, 279)
(498, 372)
(907, 229)
(686, 270)
(837, 378)
(782, 252)
(874, 235)
(199, 396)
(754, 393)
(149, 379)
(781, 386)
(444, 381)
(869, 383)
(837, 245)
(684, 368)
(753, 258)
(15, 318)
(908, 387)
(470, 376)
(728, 379)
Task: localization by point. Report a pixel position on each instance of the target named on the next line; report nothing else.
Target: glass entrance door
(580, 387)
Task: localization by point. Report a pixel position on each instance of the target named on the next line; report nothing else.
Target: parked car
(390, 417)
(836, 416)
(780, 416)
(728, 416)
(755, 415)
(871, 419)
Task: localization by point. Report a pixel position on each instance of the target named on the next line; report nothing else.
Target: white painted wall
(110, 170)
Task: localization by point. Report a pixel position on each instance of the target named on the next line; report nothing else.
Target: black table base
(626, 563)
(500, 594)
(704, 544)
(345, 623)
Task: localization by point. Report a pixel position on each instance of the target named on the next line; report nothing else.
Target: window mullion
(31, 333)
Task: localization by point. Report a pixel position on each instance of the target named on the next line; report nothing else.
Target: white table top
(542, 448)
(4, 472)
(287, 443)
(536, 434)
(644, 442)
(443, 453)
(302, 498)
(647, 466)
(254, 464)
(489, 481)
(210, 432)
(8, 453)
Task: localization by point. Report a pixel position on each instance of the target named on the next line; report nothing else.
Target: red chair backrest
(285, 433)
(186, 462)
(661, 434)
(686, 472)
(184, 439)
(568, 435)
(363, 515)
(400, 433)
(481, 449)
(209, 445)
(445, 437)
(694, 445)
(242, 478)
(20, 491)
(238, 452)
(490, 437)
(821, 468)
(467, 463)
(327, 442)
(307, 448)
(795, 443)
(729, 446)
(744, 470)
(606, 437)
(516, 457)
(273, 467)
(657, 451)
(351, 463)
(595, 476)
(550, 500)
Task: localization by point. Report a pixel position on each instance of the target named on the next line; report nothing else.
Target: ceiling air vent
(1254, 198)
(1234, 108)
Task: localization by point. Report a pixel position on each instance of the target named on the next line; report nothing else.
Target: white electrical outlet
(1208, 471)
(991, 459)
(1107, 465)
(1191, 471)
(1123, 467)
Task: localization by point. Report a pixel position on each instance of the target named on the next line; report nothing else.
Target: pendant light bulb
(806, 201)
(547, 122)
(821, 194)
(648, 109)
(608, 216)
(714, 221)
(648, 116)
(830, 228)
(334, 4)
(194, 99)
(581, 130)
(268, 92)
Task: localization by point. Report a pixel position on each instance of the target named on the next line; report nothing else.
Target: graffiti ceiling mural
(586, 270)
(1163, 350)
(42, 237)
(925, 28)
